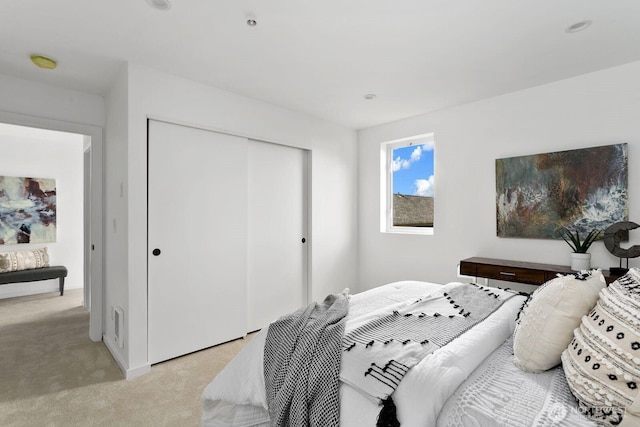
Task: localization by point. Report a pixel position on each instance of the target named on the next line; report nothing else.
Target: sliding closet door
(277, 227)
(197, 279)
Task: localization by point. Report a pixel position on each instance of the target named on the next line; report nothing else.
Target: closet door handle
(156, 252)
(304, 240)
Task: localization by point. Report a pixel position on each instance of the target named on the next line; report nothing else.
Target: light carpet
(51, 374)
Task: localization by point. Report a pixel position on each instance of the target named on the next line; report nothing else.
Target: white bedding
(236, 397)
(499, 394)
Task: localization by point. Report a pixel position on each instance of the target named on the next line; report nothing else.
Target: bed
(470, 379)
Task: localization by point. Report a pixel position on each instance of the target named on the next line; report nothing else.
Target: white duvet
(236, 397)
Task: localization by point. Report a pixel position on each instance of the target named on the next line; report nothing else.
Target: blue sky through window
(413, 169)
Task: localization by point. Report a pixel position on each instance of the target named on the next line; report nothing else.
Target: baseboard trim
(111, 346)
(13, 290)
(136, 372)
(129, 373)
(24, 289)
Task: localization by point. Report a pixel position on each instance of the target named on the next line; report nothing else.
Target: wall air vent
(118, 319)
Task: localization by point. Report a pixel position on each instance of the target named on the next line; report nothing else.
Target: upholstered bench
(29, 266)
(34, 274)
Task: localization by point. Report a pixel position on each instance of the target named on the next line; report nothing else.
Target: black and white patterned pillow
(602, 362)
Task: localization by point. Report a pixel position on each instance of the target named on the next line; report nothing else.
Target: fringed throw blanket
(302, 364)
(378, 354)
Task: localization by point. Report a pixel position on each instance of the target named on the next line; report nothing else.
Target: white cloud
(424, 187)
(428, 146)
(416, 154)
(400, 163)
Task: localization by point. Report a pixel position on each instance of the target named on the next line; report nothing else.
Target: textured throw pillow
(546, 323)
(23, 260)
(602, 363)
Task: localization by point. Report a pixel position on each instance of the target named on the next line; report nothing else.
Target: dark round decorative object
(614, 234)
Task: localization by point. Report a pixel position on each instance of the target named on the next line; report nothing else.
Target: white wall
(37, 153)
(116, 290)
(334, 184)
(39, 100)
(596, 109)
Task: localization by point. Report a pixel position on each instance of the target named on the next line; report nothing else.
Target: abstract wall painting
(579, 189)
(27, 210)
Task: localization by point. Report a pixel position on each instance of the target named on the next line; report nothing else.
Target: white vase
(580, 261)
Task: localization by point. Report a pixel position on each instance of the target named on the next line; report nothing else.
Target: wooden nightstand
(530, 273)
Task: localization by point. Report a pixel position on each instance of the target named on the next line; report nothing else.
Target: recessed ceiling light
(578, 26)
(160, 4)
(370, 96)
(44, 62)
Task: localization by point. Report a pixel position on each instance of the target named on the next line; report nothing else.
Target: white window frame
(386, 186)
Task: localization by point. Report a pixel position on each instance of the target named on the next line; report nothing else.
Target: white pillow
(546, 323)
(602, 363)
(23, 260)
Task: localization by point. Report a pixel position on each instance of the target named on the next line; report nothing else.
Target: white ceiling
(321, 57)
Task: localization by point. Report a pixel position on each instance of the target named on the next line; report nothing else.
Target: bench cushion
(23, 260)
(54, 272)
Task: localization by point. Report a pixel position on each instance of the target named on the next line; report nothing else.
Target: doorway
(90, 216)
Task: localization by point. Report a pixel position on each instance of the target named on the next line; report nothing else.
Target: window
(407, 185)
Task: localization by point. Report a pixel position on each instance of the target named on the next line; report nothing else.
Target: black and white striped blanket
(302, 364)
(378, 354)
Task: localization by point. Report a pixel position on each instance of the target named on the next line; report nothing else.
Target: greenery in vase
(573, 239)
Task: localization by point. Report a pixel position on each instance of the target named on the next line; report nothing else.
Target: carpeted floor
(51, 374)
